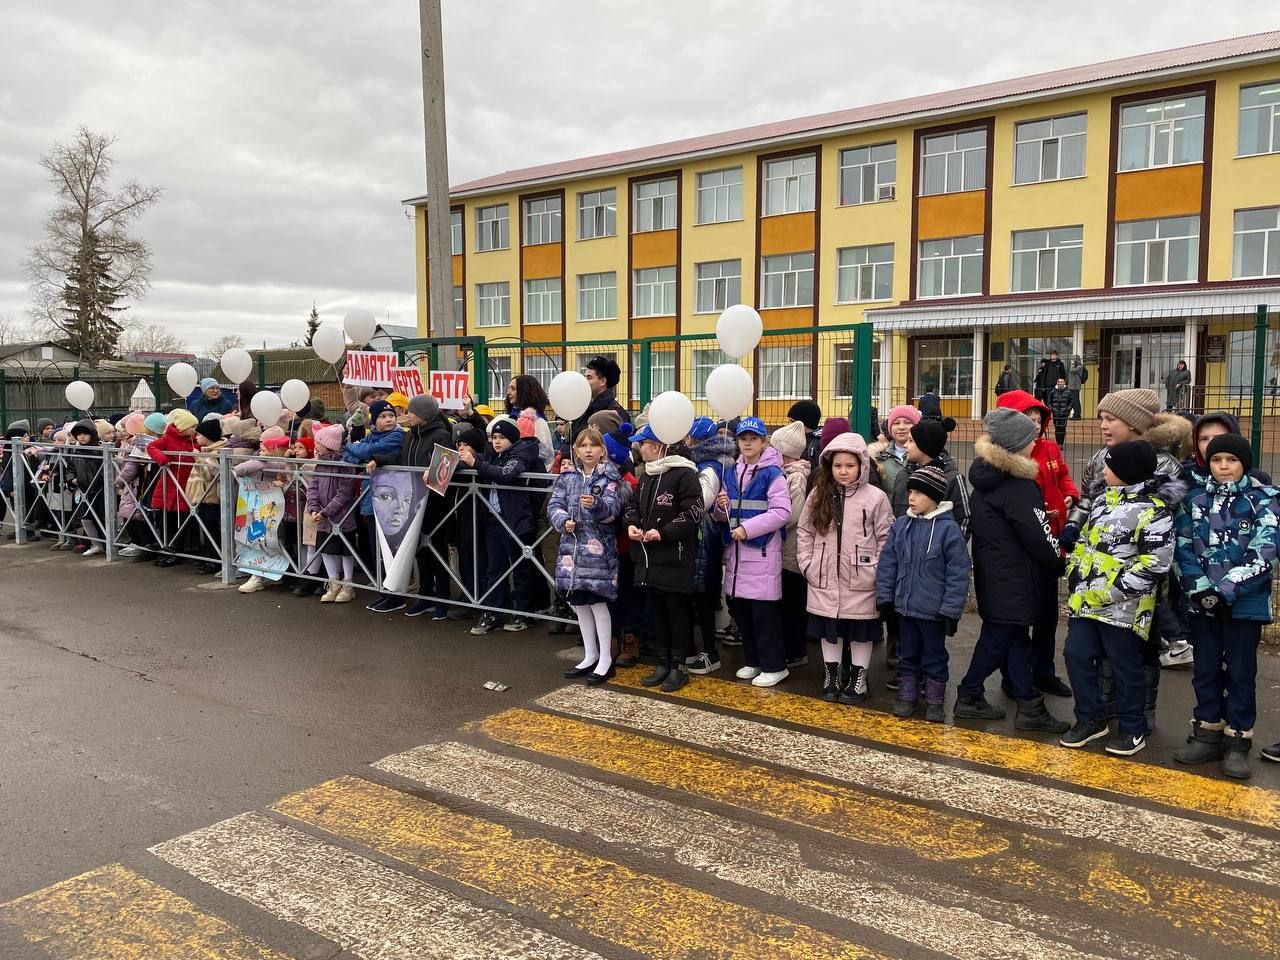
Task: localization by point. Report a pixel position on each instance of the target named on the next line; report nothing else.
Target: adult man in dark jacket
(603, 375)
(1011, 538)
(929, 404)
(1047, 376)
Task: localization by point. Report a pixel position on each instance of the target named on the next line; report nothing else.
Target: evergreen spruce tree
(313, 324)
(89, 308)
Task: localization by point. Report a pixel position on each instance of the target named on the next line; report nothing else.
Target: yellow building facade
(1126, 213)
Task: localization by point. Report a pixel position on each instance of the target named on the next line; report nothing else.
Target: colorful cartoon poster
(259, 513)
(399, 500)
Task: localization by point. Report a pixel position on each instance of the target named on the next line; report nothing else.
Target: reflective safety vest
(751, 502)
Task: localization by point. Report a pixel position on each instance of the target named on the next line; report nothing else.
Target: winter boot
(831, 682)
(1235, 757)
(659, 674)
(1151, 674)
(855, 689)
(1034, 715)
(630, 655)
(676, 678)
(1106, 691)
(908, 694)
(976, 709)
(935, 694)
(1204, 744)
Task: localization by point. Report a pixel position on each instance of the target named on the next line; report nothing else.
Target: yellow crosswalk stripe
(113, 913)
(1104, 881)
(1176, 788)
(640, 912)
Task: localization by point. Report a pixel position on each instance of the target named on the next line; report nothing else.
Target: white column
(1190, 341)
(979, 369)
(1077, 338)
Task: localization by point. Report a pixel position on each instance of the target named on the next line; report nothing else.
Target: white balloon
(182, 378)
(266, 408)
(359, 325)
(729, 390)
(570, 394)
(80, 394)
(237, 365)
(329, 343)
(295, 394)
(671, 416)
(738, 330)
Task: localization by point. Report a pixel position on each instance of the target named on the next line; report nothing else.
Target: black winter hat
(1233, 444)
(507, 428)
(807, 412)
(608, 370)
(929, 480)
(931, 436)
(211, 430)
(473, 438)
(1132, 461)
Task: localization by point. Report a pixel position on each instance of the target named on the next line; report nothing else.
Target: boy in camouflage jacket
(1114, 573)
(1226, 552)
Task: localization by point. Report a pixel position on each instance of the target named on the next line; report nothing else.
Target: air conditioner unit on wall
(888, 192)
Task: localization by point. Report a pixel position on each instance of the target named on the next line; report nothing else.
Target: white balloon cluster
(730, 388)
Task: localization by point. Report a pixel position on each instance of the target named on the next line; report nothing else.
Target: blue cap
(643, 434)
(702, 428)
(751, 425)
(618, 444)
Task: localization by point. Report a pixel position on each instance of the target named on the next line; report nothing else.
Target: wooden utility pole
(439, 234)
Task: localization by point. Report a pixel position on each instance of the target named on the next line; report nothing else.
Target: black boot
(831, 682)
(855, 689)
(676, 678)
(1151, 674)
(1204, 744)
(908, 696)
(1034, 715)
(1235, 758)
(968, 708)
(659, 674)
(935, 692)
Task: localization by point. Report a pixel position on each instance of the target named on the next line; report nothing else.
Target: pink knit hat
(132, 424)
(904, 410)
(527, 422)
(329, 437)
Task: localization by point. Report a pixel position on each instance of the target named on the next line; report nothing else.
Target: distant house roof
(1258, 46)
(150, 356)
(13, 349)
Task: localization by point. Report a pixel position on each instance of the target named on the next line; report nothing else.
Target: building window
(954, 162)
(1157, 251)
(1240, 365)
(542, 301)
(655, 292)
(704, 361)
(864, 273)
(654, 204)
(1260, 119)
(455, 231)
(541, 367)
(786, 373)
(788, 281)
(542, 221)
(1025, 354)
(720, 195)
(1047, 259)
(843, 370)
(719, 285)
(662, 371)
(499, 374)
(950, 268)
(493, 305)
(790, 185)
(597, 296)
(1257, 243)
(1049, 149)
(868, 174)
(1162, 133)
(459, 309)
(598, 214)
(946, 366)
(493, 228)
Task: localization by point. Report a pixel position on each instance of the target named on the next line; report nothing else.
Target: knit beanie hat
(473, 438)
(42, 423)
(931, 436)
(929, 480)
(309, 445)
(212, 416)
(155, 423)
(376, 408)
(904, 410)
(1132, 461)
(184, 419)
(833, 428)
(498, 419)
(606, 421)
(527, 422)
(618, 444)
(424, 406)
(790, 440)
(806, 412)
(211, 430)
(329, 437)
(1233, 444)
(1137, 408)
(105, 430)
(206, 383)
(398, 399)
(248, 429)
(1009, 429)
(506, 427)
(277, 442)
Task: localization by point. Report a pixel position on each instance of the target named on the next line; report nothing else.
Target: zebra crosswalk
(720, 821)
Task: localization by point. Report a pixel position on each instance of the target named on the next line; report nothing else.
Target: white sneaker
(747, 673)
(331, 589)
(769, 679)
(1179, 655)
(131, 552)
(253, 585)
(93, 551)
(701, 664)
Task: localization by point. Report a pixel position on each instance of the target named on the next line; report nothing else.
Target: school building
(1127, 212)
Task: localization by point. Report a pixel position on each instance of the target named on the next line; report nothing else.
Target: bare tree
(15, 331)
(223, 344)
(89, 262)
(151, 338)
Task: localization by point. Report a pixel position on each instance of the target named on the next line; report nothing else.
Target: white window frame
(855, 265)
(1156, 250)
(952, 265)
(957, 355)
(654, 205)
(493, 228)
(653, 292)
(1043, 149)
(870, 172)
(499, 369)
(1269, 237)
(717, 285)
(459, 308)
(542, 301)
(705, 359)
(1047, 256)
(965, 162)
(786, 373)
(598, 214)
(1268, 110)
(493, 304)
(539, 366)
(662, 370)
(543, 221)
(786, 281)
(1154, 128)
(719, 192)
(455, 232)
(597, 296)
(789, 185)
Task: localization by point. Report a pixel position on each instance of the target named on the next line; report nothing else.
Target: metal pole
(17, 461)
(1259, 373)
(645, 386)
(860, 408)
(262, 371)
(480, 371)
(109, 532)
(435, 144)
(158, 384)
(227, 515)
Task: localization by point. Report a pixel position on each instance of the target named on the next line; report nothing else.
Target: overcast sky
(285, 134)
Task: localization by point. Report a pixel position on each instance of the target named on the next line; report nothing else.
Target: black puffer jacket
(1011, 538)
(669, 500)
(604, 400)
(416, 450)
(86, 465)
(520, 508)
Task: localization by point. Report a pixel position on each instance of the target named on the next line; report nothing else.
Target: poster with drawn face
(399, 498)
(444, 464)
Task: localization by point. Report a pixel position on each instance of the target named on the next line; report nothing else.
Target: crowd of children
(808, 533)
